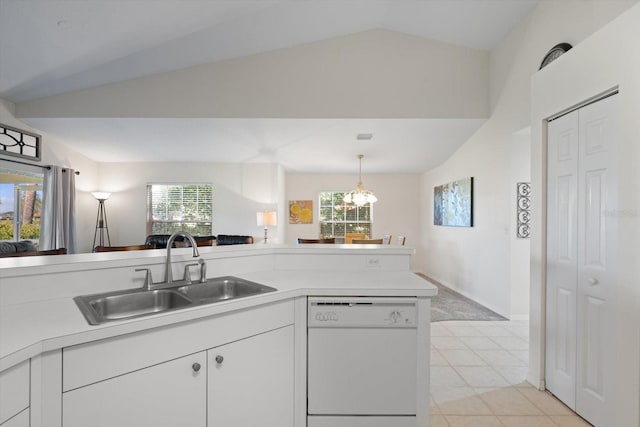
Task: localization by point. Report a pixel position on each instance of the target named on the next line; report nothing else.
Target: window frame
(34, 181)
(198, 222)
(341, 238)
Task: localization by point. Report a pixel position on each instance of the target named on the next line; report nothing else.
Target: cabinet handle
(195, 367)
(219, 359)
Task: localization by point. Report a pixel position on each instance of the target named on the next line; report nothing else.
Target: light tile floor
(478, 372)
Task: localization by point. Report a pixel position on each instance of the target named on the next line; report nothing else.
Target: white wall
(55, 152)
(240, 191)
(519, 248)
(477, 261)
(608, 59)
(397, 211)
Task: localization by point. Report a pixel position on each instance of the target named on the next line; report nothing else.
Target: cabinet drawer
(99, 360)
(14, 390)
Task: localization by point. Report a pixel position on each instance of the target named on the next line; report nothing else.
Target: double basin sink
(133, 303)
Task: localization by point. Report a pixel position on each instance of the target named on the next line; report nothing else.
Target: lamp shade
(101, 195)
(267, 218)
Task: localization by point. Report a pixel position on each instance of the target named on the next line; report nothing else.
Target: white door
(596, 262)
(581, 260)
(251, 381)
(562, 240)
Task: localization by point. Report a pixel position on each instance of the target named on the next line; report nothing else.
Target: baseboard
(471, 297)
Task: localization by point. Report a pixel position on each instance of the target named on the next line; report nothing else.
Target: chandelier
(360, 196)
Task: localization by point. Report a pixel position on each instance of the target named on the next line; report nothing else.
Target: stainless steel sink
(132, 303)
(100, 308)
(223, 288)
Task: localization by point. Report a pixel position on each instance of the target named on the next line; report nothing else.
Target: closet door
(581, 263)
(562, 253)
(596, 262)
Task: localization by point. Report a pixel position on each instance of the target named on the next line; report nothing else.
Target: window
(179, 207)
(337, 218)
(20, 205)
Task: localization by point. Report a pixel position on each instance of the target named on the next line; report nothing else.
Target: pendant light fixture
(360, 196)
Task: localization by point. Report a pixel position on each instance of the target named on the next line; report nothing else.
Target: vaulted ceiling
(50, 47)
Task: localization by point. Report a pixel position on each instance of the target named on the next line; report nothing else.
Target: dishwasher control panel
(362, 312)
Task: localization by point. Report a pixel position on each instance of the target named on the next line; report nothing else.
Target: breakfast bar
(237, 361)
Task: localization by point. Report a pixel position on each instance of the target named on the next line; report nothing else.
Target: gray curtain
(58, 226)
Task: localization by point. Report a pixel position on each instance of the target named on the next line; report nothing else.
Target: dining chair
(348, 237)
(327, 240)
(386, 239)
(187, 244)
(400, 240)
(123, 248)
(367, 241)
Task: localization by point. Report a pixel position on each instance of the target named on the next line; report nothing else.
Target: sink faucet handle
(203, 270)
(148, 279)
(187, 273)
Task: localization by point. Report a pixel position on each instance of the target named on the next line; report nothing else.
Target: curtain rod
(31, 164)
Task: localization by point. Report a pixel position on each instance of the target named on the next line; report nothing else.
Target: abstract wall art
(453, 203)
(301, 212)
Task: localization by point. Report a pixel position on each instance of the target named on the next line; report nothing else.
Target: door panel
(560, 375)
(594, 232)
(340, 363)
(564, 354)
(596, 262)
(593, 348)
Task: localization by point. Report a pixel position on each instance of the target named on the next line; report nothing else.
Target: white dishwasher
(361, 362)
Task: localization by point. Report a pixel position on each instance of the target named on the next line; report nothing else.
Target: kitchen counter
(38, 320)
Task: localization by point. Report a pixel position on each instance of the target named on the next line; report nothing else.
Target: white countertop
(29, 329)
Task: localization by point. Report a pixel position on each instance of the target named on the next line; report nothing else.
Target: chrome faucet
(168, 275)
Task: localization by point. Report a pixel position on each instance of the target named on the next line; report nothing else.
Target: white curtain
(58, 227)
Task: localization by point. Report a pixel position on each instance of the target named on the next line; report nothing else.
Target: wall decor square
(301, 212)
(523, 210)
(453, 203)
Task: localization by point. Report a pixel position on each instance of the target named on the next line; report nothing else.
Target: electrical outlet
(373, 262)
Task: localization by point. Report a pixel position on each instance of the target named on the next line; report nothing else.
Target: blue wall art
(453, 203)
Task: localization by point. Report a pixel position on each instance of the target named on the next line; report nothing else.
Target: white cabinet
(251, 381)
(14, 392)
(169, 394)
(159, 377)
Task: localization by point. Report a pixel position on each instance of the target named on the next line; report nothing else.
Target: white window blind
(180, 207)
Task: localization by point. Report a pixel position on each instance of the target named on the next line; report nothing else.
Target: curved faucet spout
(168, 275)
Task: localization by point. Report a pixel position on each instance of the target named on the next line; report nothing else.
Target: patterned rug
(450, 305)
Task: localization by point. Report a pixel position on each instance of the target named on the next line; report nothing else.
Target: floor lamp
(101, 220)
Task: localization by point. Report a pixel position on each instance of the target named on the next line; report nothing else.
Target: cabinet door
(169, 394)
(20, 420)
(251, 381)
(14, 390)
